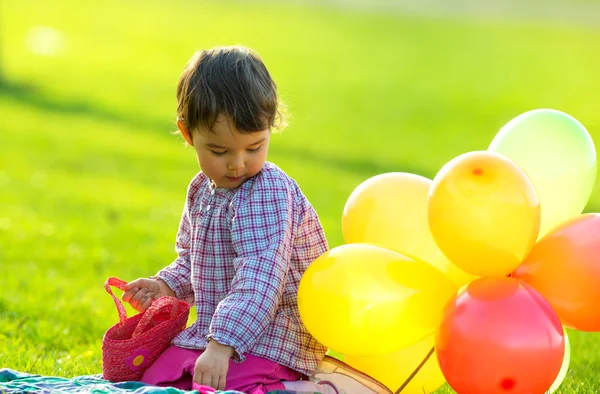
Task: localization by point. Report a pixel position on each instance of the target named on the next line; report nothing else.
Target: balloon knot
(507, 384)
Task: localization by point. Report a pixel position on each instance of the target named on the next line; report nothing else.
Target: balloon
(564, 367)
(484, 213)
(393, 370)
(391, 210)
(365, 300)
(559, 156)
(564, 266)
(337, 355)
(499, 335)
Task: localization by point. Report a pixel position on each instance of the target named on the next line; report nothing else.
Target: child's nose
(237, 163)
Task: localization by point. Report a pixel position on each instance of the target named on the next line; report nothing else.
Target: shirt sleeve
(262, 232)
(178, 274)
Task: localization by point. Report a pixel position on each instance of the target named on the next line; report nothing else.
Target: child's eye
(218, 153)
(254, 149)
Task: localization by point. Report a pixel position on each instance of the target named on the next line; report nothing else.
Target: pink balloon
(499, 335)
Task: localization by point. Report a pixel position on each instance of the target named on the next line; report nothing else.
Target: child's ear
(185, 132)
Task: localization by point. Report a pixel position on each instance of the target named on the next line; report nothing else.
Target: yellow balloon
(391, 210)
(361, 299)
(393, 370)
(484, 213)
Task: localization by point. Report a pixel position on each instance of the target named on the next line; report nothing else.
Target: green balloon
(558, 155)
(564, 368)
(335, 354)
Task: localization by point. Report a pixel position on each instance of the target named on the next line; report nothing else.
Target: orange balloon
(484, 213)
(564, 266)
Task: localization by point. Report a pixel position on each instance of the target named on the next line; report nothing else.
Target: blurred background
(92, 180)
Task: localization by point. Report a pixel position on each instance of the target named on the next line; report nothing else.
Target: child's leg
(172, 368)
(258, 375)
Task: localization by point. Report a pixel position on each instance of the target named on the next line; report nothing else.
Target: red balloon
(564, 267)
(498, 335)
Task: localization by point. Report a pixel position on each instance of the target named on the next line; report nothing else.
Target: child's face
(228, 156)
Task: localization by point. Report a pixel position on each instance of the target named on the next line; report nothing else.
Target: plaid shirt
(241, 255)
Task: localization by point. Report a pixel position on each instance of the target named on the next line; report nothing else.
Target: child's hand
(212, 365)
(141, 292)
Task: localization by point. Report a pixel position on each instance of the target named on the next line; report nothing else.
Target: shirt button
(212, 191)
(208, 207)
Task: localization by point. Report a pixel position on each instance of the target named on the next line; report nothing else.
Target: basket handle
(152, 310)
(119, 284)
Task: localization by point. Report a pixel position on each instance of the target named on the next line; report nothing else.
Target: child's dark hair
(232, 81)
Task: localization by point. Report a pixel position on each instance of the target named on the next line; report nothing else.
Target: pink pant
(256, 375)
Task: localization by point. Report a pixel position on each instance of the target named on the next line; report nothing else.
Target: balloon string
(415, 372)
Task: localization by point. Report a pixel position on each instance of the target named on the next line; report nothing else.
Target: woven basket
(132, 345)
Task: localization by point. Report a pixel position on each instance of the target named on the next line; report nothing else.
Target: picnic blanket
(20, 382)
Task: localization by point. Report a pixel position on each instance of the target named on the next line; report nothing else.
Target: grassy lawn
(92, 182)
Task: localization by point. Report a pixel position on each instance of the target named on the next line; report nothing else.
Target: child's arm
(142, 291)
(262, 237)
(173, 280)
(178, 274)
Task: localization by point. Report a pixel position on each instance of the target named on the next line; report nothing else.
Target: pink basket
(132, 345)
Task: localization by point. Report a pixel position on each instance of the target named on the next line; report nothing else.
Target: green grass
(92, 182)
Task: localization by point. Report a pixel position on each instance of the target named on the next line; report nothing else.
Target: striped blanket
(19, 382)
